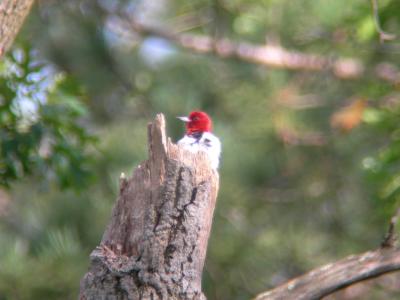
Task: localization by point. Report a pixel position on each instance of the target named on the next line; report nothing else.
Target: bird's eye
(195, 118)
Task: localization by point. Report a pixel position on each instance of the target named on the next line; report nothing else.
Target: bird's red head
(197, 121)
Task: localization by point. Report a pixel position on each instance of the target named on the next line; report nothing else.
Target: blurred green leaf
(34, 127)
(366, 30)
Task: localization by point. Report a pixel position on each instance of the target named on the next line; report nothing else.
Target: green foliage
(40, 128)
(383, 167)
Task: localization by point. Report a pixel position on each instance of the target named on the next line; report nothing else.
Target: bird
(199, 137)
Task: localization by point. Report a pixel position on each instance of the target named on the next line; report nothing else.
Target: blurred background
(305, 96)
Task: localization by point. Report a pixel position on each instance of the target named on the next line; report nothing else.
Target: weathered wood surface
(155, 244)
(12, 16)
(330, 278)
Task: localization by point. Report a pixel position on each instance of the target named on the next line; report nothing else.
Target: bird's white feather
(208, 143)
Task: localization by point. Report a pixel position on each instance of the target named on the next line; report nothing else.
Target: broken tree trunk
(155, 244)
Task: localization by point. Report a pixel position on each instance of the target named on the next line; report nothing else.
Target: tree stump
(155, 244)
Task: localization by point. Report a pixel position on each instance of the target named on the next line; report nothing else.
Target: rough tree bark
(155, 244)
(12, 16)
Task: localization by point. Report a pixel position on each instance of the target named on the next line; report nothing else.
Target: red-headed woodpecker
(198, 136)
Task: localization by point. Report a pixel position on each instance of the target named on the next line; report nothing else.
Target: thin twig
(383, 36)
(391, 237)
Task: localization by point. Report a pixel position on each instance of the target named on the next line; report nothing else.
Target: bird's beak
(184, 119)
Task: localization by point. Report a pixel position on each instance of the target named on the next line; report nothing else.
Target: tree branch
(332, 277)
(12, 16)
(273, 56)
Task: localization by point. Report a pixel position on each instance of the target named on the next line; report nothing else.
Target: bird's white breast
(207, 142)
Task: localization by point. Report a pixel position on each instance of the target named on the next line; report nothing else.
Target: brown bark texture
(12, 16)
(155, 244)
(330, 278)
